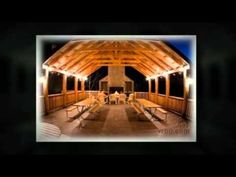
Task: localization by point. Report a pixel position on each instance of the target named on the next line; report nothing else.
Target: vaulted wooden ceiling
(83, 57)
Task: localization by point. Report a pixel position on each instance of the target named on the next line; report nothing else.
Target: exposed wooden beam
(84, 67)
(156, 61)
(77, 61)
(148, 69)
(166, 49)
(145, 55)
(116, 64)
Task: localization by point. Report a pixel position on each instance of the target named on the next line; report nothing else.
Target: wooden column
(167, 89)
(156, 88)
(83, 87)
(76, 89)
(186, 90)
(149, 88)
(45, 91)
(64, 89)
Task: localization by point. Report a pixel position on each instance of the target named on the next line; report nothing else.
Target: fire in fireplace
(118, 89)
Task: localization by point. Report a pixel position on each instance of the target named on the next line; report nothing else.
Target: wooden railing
(141, 95)
(161, 100)
(153, 97)
(175, 104)
(55, 101)
(70, 97)
(92, 92)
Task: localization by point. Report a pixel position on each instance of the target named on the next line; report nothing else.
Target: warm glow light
(85, 78)
(45, 67)
(147, 78)
(78, 76)
(153, 77)
(164, 74)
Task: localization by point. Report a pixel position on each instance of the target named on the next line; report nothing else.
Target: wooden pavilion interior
(78, 59)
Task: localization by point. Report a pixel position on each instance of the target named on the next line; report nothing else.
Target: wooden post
(45, 91)
(149, 88)
(76, 89)
(186, 90)
(156, 88)
(82, 88)
(167, 89)
(64, 89)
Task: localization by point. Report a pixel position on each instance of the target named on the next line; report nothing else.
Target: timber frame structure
(153, 58)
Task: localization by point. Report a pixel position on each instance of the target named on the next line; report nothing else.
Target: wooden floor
(119, 121)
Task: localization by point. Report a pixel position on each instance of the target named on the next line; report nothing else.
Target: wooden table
(88, 102)
(149, 105)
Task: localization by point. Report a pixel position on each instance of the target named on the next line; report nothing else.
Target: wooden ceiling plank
(84, 67)
(166, 49)
(78, 61)
(141, 71)
(160, 61)
(150, 71)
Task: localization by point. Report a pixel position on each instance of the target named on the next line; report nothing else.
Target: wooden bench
(71, 112)
(137, 109)
(94, 109)
(163, 112)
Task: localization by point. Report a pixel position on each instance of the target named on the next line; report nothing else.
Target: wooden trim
(177, 98)
(57, 94)
(70, 92)
(163, 95)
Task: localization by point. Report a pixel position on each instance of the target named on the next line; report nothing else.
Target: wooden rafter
(149, 57)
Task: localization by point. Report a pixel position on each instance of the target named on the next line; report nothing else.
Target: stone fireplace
(116, 80)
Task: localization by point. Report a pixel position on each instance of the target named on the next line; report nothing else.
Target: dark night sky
(184, 46)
